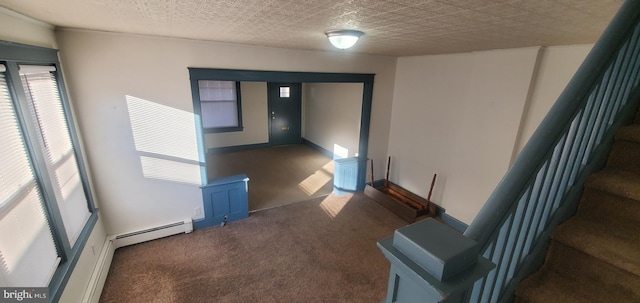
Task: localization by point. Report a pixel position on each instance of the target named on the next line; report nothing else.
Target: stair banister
(542, 186)
(553, 125)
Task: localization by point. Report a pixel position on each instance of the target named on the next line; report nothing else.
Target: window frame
(12, 55)
(198, 108)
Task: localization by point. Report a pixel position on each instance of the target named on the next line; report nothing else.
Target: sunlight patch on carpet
(333, 206)
(317, 180)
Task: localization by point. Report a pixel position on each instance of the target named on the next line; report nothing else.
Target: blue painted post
(431, 262)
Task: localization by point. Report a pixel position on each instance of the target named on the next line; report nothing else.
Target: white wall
(20, 29)
(255, 119)
(466, 116)
(151, 180)
(556, 67)
(458, 116)
(331, 115)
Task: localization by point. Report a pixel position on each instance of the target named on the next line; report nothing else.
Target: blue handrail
(544, 183)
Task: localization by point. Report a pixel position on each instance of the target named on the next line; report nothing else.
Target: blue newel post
(431, 262)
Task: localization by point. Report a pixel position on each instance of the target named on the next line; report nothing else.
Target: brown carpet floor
(321, 250)
(278, 175)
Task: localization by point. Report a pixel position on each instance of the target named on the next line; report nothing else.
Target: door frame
(280, 76)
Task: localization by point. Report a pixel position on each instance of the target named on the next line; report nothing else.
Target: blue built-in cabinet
(225, 200)
(349, 175)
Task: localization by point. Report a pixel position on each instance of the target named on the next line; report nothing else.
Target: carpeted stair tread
(549, 287)
(614, 243)
(624, 155)
(604, 207)
(618, 182)
(629, 133)
(574, 264)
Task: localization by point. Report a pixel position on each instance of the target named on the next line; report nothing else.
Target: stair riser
(577, 265)
(601, 206)
(614, 184)
(624, 155)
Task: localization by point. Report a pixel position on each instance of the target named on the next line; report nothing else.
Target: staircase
(595, 256)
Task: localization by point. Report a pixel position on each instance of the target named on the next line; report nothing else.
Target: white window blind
(218, 103)
(28, 256)
(41, 88)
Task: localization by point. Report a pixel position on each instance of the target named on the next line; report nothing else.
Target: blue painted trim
(235, 148)
(227, 180)
(365, 122)
(12, 51)
(318, 148)
(276, 76)
(73, 134)
(64, 271)
(453, 222)
(213, 130)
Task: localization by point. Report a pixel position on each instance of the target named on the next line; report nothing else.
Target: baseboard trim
(318, 148)
(453, 222)
(226, 149)
(99, 275)
(440, 211)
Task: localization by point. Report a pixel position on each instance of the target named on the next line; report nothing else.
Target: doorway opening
(294, 125)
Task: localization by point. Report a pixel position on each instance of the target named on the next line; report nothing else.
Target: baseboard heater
(185, 226)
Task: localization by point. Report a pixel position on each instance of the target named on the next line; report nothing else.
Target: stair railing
(543, 186)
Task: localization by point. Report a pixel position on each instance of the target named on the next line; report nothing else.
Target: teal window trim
(237, 128)
(12, 55)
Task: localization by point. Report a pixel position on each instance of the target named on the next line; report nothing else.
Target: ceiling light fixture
(343, 38)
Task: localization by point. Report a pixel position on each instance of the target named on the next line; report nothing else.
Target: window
(220, 105)
(285, 91)
(46, 211)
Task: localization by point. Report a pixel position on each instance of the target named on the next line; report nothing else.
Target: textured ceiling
(392, 27)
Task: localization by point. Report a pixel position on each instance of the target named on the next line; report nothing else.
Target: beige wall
(331, 115)
(458, 116)
(20, 29)
(148, 172)
(253, 96)
(466, 116)
(556, 67)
